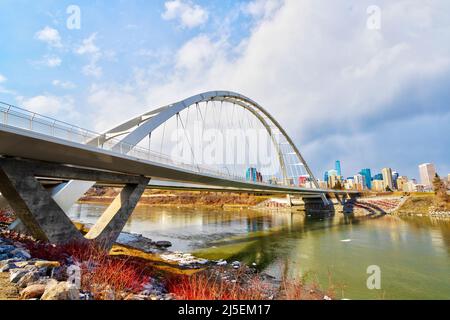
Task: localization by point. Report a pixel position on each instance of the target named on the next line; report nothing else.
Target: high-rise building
(359, 182)
(378, 185)
(409, 187)
(427, 172)
(395, 176)
(337, 167)
(325, 176)
(387, 178)
(367, 177)
(378, 176)
(401, 181)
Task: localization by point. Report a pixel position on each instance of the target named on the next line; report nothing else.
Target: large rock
(28, 279)
(35, 291)
(163, 244)
(5, 249)
(16, 274)
(21, 253)
(47, 264)
(61, 291)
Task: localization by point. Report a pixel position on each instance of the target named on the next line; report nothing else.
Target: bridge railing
(21, 118)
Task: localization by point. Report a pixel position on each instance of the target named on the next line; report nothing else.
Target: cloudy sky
(348, 81)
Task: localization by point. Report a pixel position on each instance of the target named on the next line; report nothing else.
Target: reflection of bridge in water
(35, 147)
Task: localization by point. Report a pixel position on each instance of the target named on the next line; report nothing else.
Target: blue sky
(369, 97)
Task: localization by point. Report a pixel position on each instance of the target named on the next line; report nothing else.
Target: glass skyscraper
(337, 167)
(367, 177)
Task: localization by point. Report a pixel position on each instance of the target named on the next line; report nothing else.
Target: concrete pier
(45, 220)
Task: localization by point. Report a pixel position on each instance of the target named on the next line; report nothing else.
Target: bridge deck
(27, 144)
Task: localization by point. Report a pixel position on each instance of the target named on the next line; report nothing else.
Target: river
(413, 254)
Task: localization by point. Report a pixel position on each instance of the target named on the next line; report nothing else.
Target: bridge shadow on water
(266, 246)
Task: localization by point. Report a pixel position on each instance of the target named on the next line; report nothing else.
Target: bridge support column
(107, 229)
(45, 220)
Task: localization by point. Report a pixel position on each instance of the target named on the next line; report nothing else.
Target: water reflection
(413, 253)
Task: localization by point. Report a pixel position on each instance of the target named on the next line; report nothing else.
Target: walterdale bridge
(34, 148)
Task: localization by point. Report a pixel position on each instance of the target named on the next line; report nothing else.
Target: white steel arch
(133, 131)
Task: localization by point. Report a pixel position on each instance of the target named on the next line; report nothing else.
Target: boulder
(21, 253)
(4, 256)
(47, 264)
(34, 291)
(163, 244)
(61, 291)
(5, 249)
(16, 274)
(28, 279)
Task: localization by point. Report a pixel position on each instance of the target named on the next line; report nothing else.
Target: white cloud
(188, 14)
(94, 53)
(262, 8)
(52, 61)
(49, 105)
(88, 46)
(64, 84)
(50, 36)
(112, 105)
(4, 90)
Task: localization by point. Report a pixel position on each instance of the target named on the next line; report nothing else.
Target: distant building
(289, 181)
(253, 175)
(302, 180)
(367, 177)
(378, 185)
(387, 178)
(401, 181)
(419, 188)
(359, 182)
(427, 172)
(409, 186)
(349, 184)
(323, 184)
(337, 167)
(325, 176)
(395, 176)
(378, 176)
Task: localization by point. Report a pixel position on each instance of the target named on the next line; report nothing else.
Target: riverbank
(424, 205)
(178, 199)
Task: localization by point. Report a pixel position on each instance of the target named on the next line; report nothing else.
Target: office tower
(359, 182)
(427, 173)
(401, 182)
(325, 177)
(378, 176)
(387, 178)
(378, 185)
(337, 167)
(395, 176)
(367, 177)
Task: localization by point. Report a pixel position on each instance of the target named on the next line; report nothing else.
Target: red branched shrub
(6, 216)
(114, 275)
(205, 286)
